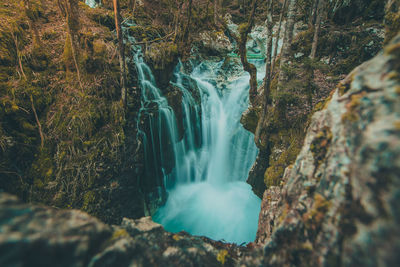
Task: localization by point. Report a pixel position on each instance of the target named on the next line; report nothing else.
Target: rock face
(41, 236)
(213, 43)
(339, 203)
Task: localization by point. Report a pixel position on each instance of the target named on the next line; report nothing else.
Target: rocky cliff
(339, 202)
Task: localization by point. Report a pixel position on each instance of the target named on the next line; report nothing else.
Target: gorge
(199, 133)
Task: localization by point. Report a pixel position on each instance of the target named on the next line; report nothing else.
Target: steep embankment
(65, 139)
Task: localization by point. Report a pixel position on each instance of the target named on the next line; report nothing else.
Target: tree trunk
(313, 14)
(268, 71)
(121, 49)
(287, 42)
(179, 4)
(268, 68)
(317, 28)
(189, 18)
(215, 12)
(217, 9)
(278, 36)
(250, 68)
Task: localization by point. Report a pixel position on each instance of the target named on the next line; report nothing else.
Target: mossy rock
(320, 145)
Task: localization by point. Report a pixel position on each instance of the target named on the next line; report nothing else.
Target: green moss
(351, 114)
(119, 233)
(392, 24)
(250, 120)
(88, 199)
(314, 217)
(320, 145)
(67, 55)
(162, 54)
(242, 27)
(273, 175)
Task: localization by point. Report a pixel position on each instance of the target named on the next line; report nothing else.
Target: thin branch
(38, 123)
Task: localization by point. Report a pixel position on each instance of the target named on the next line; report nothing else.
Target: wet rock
(338, 204)
(162, 59)
(174, 97)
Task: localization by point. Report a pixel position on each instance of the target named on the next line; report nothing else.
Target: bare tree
(121, 50)
(317, 28)
(287, 41)
(278, 35)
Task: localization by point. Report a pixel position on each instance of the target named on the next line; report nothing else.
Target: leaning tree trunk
(121, 49)
(287, 42)
(278, 35)
(317, 28)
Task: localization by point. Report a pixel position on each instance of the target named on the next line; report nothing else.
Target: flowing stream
(205, 170)
(207, 192)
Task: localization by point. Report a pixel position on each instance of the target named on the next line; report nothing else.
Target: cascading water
(205, 170)
(209, 196)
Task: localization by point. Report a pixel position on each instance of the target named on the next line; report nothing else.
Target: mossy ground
(82, 122)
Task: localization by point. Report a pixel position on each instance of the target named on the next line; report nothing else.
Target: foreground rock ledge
(41, 236)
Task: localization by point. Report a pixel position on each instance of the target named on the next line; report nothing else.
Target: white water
(93, 3)
(210, 196)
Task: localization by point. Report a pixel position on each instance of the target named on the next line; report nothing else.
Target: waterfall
(208, 194)
(204, 170)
